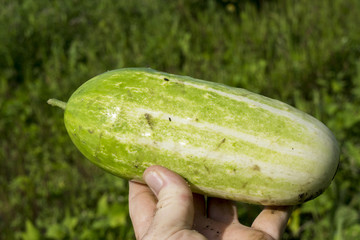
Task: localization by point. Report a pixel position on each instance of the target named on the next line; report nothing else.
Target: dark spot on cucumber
(207, 169)
(149, 120)
(256, 168)
(170, 119)
(302, 196)
(80, 127)
(196, 119)
(221, 143)
(317, 193)
(91, 131)
(310, 197)
(137, 163)
(166, 79)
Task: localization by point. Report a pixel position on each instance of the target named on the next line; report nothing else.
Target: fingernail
(154, 181)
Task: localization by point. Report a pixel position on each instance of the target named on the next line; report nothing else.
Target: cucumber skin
(226, 142)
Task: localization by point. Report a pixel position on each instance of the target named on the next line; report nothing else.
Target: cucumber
(226, 142)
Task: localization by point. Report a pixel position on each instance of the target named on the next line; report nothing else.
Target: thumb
(175, 210)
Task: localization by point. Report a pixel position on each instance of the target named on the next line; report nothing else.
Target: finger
(142, 207)
(222, 210)
(175, 210)
(273, 220)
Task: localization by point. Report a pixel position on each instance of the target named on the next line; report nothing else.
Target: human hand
(167, 209)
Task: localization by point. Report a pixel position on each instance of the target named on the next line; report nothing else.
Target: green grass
(305, 53)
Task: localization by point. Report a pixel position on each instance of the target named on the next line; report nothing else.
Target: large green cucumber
(226, 142)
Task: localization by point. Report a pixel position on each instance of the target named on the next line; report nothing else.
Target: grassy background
(305, 53)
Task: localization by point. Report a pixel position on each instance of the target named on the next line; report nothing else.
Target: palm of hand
(168, 210)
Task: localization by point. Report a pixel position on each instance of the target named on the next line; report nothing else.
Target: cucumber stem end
(57, 103)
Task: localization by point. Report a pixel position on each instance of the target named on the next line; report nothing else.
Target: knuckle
(177, 197)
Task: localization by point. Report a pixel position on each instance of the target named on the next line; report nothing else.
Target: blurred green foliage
(305, 53)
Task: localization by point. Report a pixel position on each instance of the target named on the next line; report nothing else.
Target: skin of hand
(166, 208)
